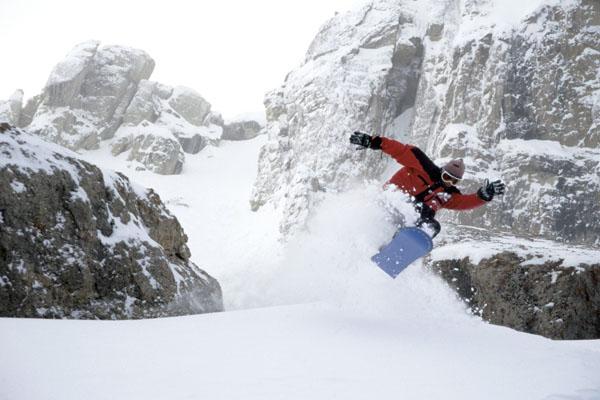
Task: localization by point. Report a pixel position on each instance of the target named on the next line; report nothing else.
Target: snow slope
(331, 324)
(310, 351)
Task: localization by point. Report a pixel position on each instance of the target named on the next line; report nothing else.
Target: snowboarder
(431, 187)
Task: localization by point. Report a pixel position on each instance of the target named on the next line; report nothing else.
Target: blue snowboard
(407, 245)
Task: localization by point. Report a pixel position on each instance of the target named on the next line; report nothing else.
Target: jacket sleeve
(460, 201)
(409, 156)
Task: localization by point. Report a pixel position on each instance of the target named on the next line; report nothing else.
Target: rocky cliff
(102, 93)
(80, 242)
(532, 285)
(514, 90)
(515, 98)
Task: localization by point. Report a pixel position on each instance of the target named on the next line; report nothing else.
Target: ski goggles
(449, 178)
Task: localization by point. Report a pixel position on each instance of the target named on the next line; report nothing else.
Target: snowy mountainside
(476, 75)
(329, 261)
(80, 242)
(102, 93)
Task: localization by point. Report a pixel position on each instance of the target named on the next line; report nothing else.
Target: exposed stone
(518, 100)
(10, 111)
(175, 114)
(214, 118)
(434, 32)
(367, 73)
(531, 121)
(193, 144)
(522, 104)
(549, 299)
(78, 242)
(241, 130)
(29, 110)
(146, 104)
(87, 93)
(97, 93)
(155, 148)
(189, 105)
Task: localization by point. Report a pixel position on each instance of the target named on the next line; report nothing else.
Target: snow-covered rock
(87, 94)
(101, 93)
(176, 115)
(155, 148)
(10, 110)
(519, 103)
(513, 89)
(241, 130)
(189, 105)
(80, 242)
(360, 73)
(532, 285)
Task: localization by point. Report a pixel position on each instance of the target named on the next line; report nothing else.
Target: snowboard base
(407, 245)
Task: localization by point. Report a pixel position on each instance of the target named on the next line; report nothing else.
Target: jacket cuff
(376, 143)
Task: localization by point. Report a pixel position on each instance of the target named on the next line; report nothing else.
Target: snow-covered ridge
(87, 243)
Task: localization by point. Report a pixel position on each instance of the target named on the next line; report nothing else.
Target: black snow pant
(427, 219)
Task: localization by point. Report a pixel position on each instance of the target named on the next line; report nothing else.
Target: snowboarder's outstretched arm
(405, 154)
(460, 201)
(485, 194)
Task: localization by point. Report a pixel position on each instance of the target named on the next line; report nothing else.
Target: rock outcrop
(87, 94)
(552, 300)
(161, 123)
(10, 111)
(360, 73)
(521, 103)
(516, 95)
(103, 94)
(241, 130)
(516, 98)
(534, 286)
(79, 242)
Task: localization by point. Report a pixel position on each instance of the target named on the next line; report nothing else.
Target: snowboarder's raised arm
(406, 154)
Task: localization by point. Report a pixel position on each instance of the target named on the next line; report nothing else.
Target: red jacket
(419, 173)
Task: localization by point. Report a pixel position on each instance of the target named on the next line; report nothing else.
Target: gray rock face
(87, 93)
(534, 121)
(158, 151)
(10, 111)
(161, 123)
(179, 113)
(520, 103)
(189, 105)
(102, 93)
(241, 130)
(360, 73)
(526, 283)
(554, 300)
(78, 242)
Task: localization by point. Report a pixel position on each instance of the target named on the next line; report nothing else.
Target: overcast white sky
(230, 51)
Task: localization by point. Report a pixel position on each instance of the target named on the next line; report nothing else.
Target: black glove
(364, 140)
(490, 189)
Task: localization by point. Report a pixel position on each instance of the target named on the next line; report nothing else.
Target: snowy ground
(313, 319)
(293, 352)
